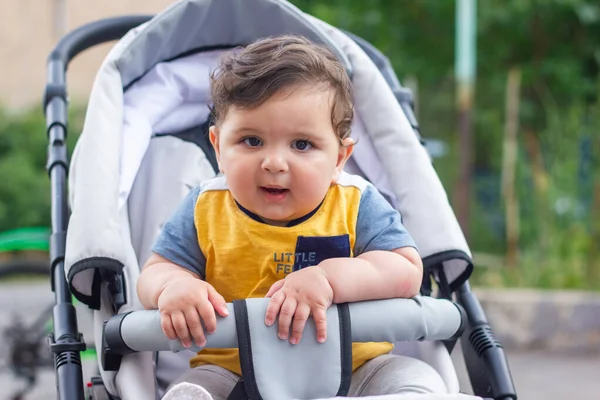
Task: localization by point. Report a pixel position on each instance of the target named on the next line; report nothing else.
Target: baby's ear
(344, 153)
(213, 136)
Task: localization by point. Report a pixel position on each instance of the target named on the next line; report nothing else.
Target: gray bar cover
(316, 368)
(393, 320)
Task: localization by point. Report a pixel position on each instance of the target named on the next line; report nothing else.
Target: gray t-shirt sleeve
(379, 225)
(178, 239)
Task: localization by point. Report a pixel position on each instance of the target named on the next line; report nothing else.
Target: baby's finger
(207, 312)
(320, 317)
(218, 302)
(288, 309)
(195, 326)
(273, 308)
(275, 287)
(167, 326)
(183, 333)
(302, 314)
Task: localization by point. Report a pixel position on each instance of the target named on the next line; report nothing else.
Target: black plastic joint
(426, 284)
(116, 288)
(69, 345)
(113, 345)
(53, 90)
(58, 242)
(57, 155)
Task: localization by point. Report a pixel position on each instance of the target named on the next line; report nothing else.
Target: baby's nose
(275, 163)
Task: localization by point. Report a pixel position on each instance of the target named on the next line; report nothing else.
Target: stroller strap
(275, 369)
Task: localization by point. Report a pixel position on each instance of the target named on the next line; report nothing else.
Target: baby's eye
(252, 141)
(301, 145)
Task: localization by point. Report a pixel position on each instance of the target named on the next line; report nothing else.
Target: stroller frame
(484, 356)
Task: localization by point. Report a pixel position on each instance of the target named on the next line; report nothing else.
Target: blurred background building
(30, 29)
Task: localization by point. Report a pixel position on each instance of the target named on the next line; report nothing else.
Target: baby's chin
(276, 220)
(278, 217)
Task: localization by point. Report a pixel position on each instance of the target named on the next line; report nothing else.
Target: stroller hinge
(66, 343)
(57, 150)
(66, 349)
(54, 90)
(65, 337)
(116, 289)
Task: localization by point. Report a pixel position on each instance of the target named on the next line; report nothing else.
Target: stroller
(144, 144)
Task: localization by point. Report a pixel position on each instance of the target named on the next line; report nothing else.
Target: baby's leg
(392, 374)
(215, 380)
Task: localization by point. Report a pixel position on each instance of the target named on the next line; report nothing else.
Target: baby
(283, 221)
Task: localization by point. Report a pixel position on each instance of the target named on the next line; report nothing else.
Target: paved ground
(537, 375)
(544, 376)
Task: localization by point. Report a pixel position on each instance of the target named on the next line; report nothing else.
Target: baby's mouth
(273, 190)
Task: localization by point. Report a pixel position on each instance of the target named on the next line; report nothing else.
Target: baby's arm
(172, 281)
(387, 264)
(157, 273)
(182, 298)
(375, 275)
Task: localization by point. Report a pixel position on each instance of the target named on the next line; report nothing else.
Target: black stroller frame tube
(484, 356)
(66, 342)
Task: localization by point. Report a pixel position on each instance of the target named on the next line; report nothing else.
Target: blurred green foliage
(24, 185)
(555, 44)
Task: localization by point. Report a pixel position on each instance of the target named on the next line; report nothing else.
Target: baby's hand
(182, 303)
(299, 295)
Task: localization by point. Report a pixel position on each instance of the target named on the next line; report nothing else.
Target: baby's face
(281, 157)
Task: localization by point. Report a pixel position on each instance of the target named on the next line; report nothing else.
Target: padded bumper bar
(394, 320)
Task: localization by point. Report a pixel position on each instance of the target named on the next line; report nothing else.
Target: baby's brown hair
(248, 78)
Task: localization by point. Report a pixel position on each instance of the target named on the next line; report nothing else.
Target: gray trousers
(386, 374)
